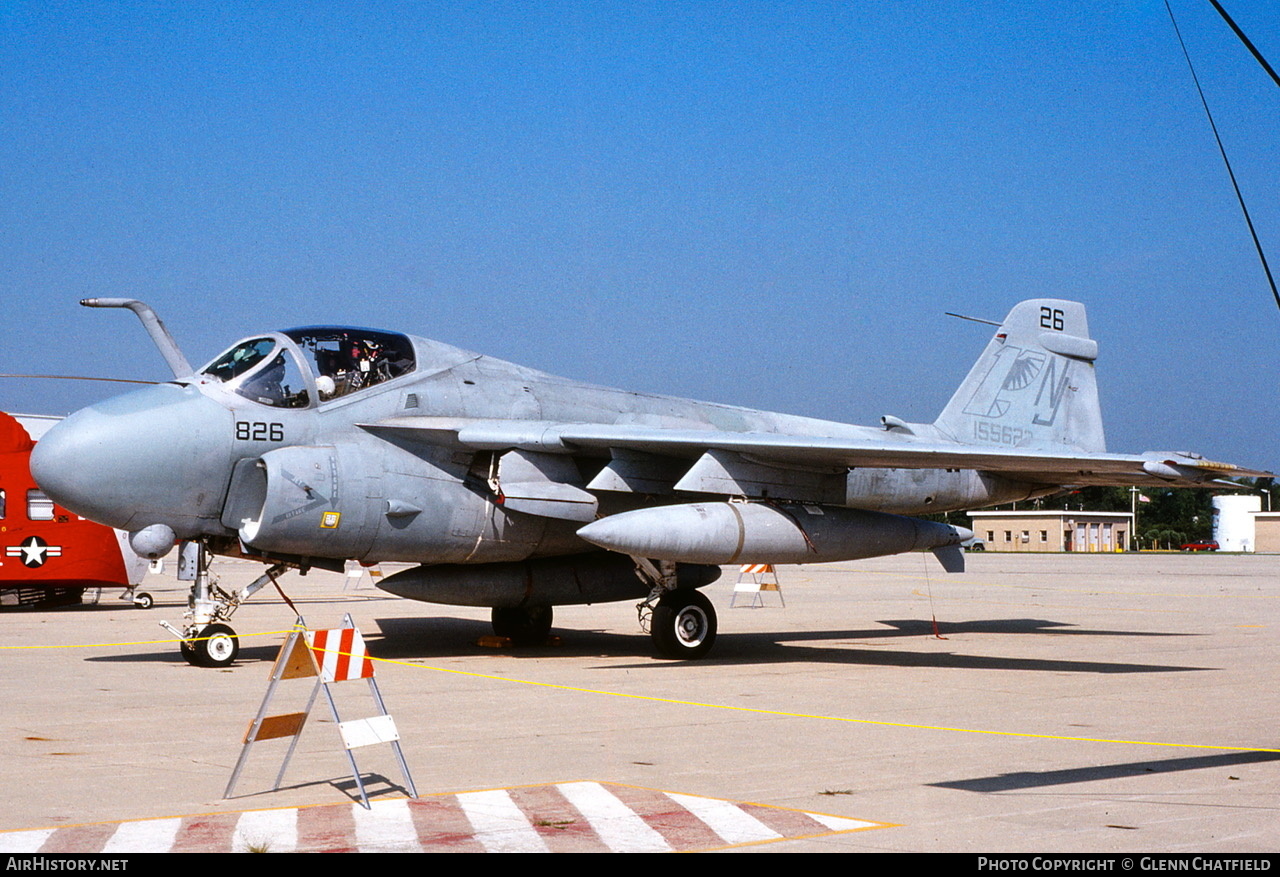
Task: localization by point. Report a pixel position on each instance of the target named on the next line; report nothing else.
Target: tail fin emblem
(1023, 371)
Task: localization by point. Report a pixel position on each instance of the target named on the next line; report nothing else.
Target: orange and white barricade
(329, 657)
(755, 579)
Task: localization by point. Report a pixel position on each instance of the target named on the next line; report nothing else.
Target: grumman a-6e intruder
(521, 491)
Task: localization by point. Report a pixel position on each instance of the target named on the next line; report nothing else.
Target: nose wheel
(216, 646)
(206, 640)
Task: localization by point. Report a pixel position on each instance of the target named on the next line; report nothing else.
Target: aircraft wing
(898, 452)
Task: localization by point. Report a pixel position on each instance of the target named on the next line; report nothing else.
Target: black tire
(524, 625)
(217, 647)
(683, 625)
(143, 600)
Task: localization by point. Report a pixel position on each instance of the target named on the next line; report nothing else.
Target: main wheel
(524, 626)
(683, 625)
(217, 647)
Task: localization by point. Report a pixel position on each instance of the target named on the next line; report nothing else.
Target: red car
(1200, 546)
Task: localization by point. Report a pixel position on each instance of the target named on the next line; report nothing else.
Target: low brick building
(1054, 530)
(1266, 532)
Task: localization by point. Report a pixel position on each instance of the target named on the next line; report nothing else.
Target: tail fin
(1034, 386)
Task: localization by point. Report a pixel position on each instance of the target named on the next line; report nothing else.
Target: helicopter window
(278, 384)
(347, 360)
(39, 506)
(240, 359)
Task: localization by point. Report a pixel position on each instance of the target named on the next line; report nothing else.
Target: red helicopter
(52, 556)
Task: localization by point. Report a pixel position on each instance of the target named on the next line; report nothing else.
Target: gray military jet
(520, 491)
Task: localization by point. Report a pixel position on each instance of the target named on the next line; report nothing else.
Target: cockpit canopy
(342, 359)
(347, 359)
(240, 359)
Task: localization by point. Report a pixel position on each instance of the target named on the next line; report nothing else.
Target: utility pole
(1133, 508)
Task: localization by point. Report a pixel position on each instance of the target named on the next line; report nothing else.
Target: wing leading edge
(902, 452)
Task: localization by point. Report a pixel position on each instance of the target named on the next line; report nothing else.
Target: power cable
(1257, 245)
(1247, 44)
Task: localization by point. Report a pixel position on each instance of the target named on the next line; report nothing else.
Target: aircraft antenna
(972, 319)
(82, 378)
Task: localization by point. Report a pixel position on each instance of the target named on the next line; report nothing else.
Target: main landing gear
(523, 625)
(683, 625)
(206, 639)
(681, 621)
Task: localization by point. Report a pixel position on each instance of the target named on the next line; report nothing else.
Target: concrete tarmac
(1072, 703)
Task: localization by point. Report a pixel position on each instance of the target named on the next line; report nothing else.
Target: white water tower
(1232, 521)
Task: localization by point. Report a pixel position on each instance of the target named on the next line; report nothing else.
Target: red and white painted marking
(341, 653)
(568, 817)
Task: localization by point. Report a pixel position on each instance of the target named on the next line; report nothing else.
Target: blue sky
(767, 204)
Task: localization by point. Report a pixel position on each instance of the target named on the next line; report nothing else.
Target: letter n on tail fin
(1034, 386)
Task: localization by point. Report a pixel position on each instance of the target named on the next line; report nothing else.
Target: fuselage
(284, 423)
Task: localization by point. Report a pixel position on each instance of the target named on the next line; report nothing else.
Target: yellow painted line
(141, 642)
(818, 716)
(650, 698)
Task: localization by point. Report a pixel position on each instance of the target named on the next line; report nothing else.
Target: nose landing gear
(206, 640)
(215, 646)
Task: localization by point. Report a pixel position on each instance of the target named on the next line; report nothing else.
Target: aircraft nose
(159, 455)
